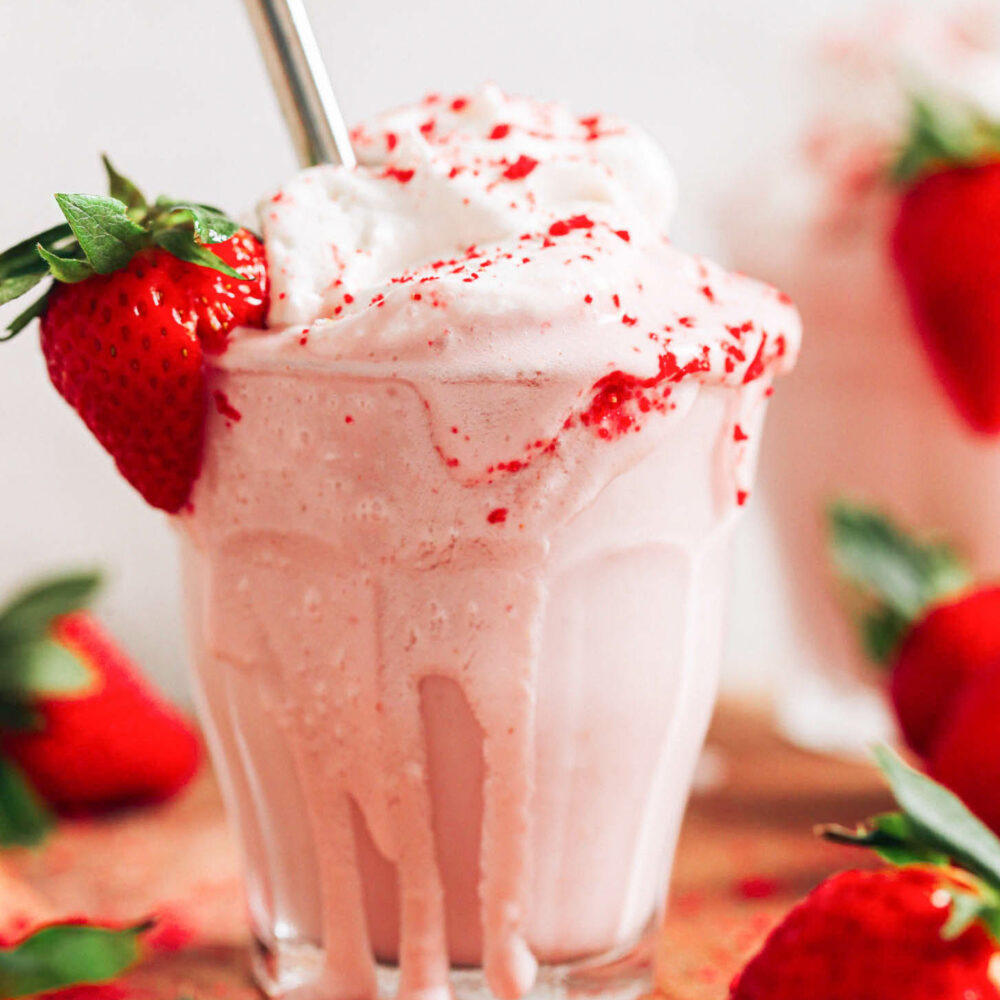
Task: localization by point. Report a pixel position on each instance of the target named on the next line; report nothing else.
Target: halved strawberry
(138, 298)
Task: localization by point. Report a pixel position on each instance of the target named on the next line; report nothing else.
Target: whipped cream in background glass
(456, 561)
(864, 415)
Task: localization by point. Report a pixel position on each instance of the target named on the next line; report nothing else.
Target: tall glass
(456, 720)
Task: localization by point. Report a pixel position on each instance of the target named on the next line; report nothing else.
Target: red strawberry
(925, 931)
(79, 720)
(952, 643)
(871, 936)
(116, 743)
(963, 754)
(945, 248)
(131, 313)
(921, 619)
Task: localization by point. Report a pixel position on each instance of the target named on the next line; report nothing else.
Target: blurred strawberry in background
(946, 248)
(80, 729)
(939, 635)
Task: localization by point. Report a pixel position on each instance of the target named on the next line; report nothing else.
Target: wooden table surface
(746, 853)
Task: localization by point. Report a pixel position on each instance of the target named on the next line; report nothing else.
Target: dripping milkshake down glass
(456, 560)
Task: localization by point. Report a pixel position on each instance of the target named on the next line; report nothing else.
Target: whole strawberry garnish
(920, 615)
(77, 720)
(926, 930)
(945, 246)
(963, 753)
(137, 300)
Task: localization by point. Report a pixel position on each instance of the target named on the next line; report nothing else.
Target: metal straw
(301, 81)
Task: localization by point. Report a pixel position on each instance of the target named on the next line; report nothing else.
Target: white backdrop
(176, 93)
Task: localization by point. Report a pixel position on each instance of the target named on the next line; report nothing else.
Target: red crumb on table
(739, 434)
(224, 407)
(459, 103)
(521, 167)
(169, 933)
(348, 419)
(708, 293)
(390, 141)
(622, 234)
(497, 516)
(741, 497)
(756, 887)
(500, 131)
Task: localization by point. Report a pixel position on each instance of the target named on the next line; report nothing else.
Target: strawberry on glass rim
(946, 248)
(140, 293)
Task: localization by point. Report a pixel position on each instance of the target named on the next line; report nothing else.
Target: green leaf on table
(107, 235)
(67, 269)
(122, 188)
(24, 817)
(62, 955)
(38, 669)
(28, 616)
(182, 244)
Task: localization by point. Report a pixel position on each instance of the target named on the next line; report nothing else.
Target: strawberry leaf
(41, 668)
(28, 616)
(182, 244)
(944, 132)
(967, 908)
(900, 575)
(16, 285)
(16, 325)
(122, 188)
(19, 716)
(107, 235)
(209, 224)
(67, 269)
(62, 955)
(891, 836)
(24, 818)
(941, 820)
(882, 630)
(24, 256)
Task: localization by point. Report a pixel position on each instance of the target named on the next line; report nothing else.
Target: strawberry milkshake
(456, 559)
(454, 455)
(821, 228)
